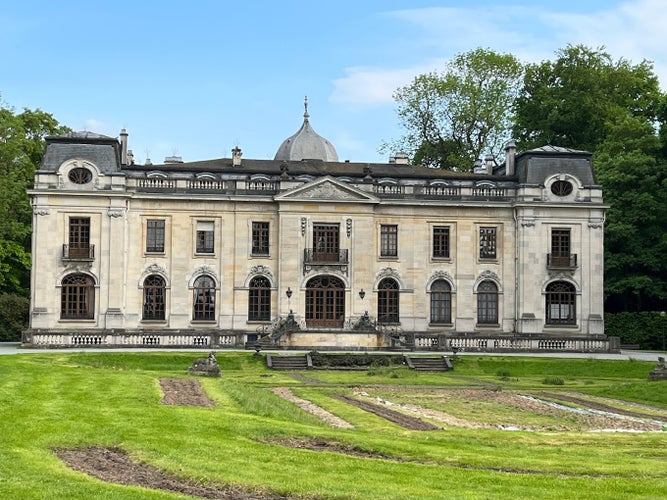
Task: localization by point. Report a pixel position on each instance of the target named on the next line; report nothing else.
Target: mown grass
(61, 399)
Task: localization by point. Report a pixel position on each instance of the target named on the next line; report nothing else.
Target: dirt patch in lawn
(113, 465)
(396, 417)
(317, 444)
(183, 392)
(312, 408)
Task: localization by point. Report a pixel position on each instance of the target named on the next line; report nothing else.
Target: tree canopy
(454, 117)
(21, 149)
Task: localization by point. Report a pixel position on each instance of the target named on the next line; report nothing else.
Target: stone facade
(219, 252)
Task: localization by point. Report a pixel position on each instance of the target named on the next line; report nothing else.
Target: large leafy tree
(21, 148)
(572, 100)
(454, 117)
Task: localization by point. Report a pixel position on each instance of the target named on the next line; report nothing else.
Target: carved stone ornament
(596, 223)
(487, 274)
(327, 191)
(41, 211)
(156, 268)
(260, 269)
(116, 212)
(528, 222)
(387, 272)
(348, 227)
(304, 223)
(204, 270)
(441, 274)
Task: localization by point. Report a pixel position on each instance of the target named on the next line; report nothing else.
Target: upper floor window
(80, 175)
(487, 303)
(561, 303)
(204, 299)
(388, 240)
(260, 238)
(77, 297)
(155, 293)
(326, 242)
(205, 237)
(561, 188)
(487, 242)
(441, 242)
(79, 237)
(155, 235)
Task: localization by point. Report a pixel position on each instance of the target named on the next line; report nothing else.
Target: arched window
(77, 297)
(203, 305)
(561, 303)
(325, 302)
(154, 298)
(388, 311)
(487, 303)
(259, 299)
(441, 302)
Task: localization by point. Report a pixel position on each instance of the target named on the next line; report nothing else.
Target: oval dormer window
(561, 188)
(80, 175)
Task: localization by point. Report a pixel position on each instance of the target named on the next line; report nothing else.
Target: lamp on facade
(362, 294)
(289, 296)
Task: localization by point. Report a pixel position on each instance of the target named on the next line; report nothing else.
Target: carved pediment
(327, 189)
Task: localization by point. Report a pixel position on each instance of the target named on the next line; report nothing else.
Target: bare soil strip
(312, 408)
(113, 465)
(183, 392)
(398, 418)
(602, 407)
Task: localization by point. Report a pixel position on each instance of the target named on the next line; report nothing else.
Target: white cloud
(633, 30)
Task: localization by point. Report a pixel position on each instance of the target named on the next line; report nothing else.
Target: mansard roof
(536, 165)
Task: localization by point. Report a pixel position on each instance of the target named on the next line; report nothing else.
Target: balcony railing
(312, 256)
(78, 252)
(562, 261)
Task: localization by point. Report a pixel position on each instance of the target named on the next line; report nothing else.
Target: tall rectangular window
(260, 238)
(79, 237)
(205, 237)
(388, 240)
(441, 242)
(326, 242)
(487, 242)
(155, 235)
(560, 247)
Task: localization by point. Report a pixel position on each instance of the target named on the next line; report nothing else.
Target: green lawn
(60, 399)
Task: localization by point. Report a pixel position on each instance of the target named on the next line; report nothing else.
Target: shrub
(647, 329)
(14, 311)
(553, 381)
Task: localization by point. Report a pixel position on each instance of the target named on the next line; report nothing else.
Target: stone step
(435, 363)
(295, 362)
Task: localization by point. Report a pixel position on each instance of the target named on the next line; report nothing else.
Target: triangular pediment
(327, 189)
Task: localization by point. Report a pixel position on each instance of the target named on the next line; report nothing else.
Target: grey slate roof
(101, 150)
(536, 165)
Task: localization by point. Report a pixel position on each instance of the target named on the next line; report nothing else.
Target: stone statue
(205, 367)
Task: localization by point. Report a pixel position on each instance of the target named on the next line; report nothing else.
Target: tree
(633, 172)
(21, 148)
(457, 116)
(572, 101)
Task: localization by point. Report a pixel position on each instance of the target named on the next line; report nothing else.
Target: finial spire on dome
(305, 106)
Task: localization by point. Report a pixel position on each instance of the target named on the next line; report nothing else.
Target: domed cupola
(306, 144)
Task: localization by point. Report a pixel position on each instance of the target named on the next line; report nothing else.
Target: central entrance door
(325, 302)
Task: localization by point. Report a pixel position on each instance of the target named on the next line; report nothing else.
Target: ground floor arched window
(325, 302)
(259, 299)
(203, 306)
(441, 302)
(388, 305)
(561, 303)
(155, 293)
(77, 297)
(487, 303)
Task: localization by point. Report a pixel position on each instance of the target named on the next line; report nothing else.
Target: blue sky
(197, 78)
